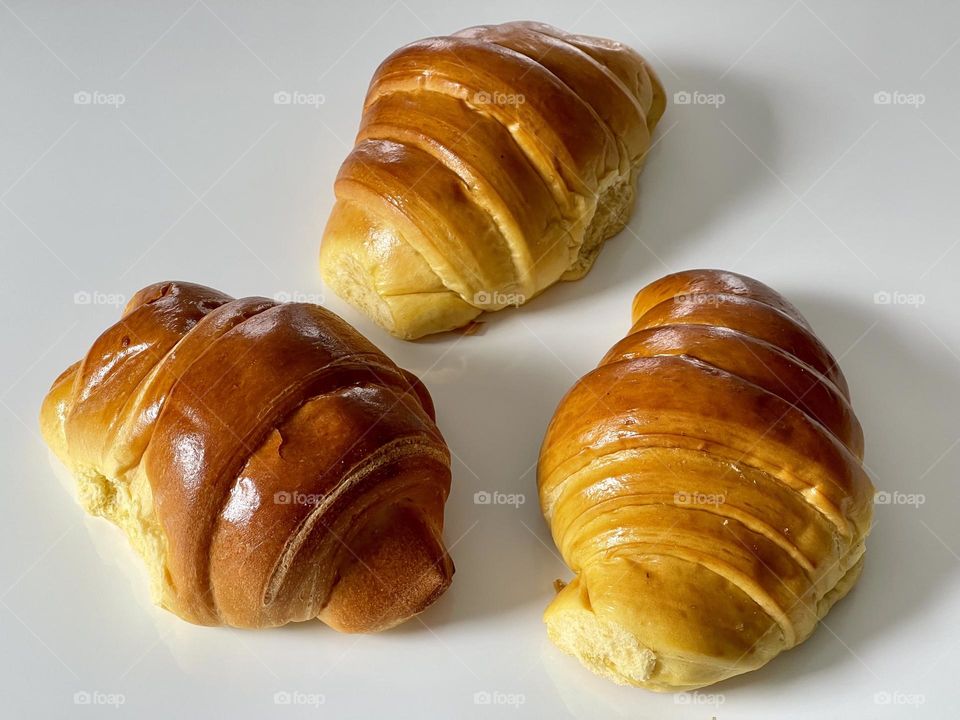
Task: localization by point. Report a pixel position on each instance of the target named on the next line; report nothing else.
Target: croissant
(268, 463)
(705, 485)
(489, 165)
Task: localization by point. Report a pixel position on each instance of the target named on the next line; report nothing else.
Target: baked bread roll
(268, 463)
(705, 485)
(489, 164)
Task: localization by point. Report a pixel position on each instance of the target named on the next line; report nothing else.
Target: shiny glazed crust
(705, 485)
(268, 463)
(489, 165)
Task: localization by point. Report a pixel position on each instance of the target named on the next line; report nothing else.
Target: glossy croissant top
(489, 164)
(705, 485)
(267, 461)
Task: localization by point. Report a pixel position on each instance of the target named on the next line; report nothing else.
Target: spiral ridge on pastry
(489, 164)
(267, 461)
(705, 484)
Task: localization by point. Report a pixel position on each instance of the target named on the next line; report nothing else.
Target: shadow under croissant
(506, 561)
(695, 175)
(678, 198)
(500, 563)
(905, 390)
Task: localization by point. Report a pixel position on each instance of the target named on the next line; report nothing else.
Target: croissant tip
(398, 571)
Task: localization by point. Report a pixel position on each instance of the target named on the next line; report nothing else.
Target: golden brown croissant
(705, 485)
(268, 462)
(489, 164)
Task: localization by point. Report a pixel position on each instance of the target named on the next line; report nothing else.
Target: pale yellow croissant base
(671, 595)
(125, 500)
(610, 643)
(352, 272)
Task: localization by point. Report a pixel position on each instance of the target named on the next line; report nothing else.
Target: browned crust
(293, 470)
(712, 458)
(489, 164)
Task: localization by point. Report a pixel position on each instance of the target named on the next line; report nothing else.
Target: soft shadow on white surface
(884, 601)
(505, 559)
(696, 176)
(800, 92)
(891, 376)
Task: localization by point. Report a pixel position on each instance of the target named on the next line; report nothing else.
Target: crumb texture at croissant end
(641, 636)
(608, 649)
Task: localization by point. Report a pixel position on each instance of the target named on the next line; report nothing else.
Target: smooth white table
(142, 143)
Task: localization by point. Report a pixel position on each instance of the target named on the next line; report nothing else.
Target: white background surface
(799, 178)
